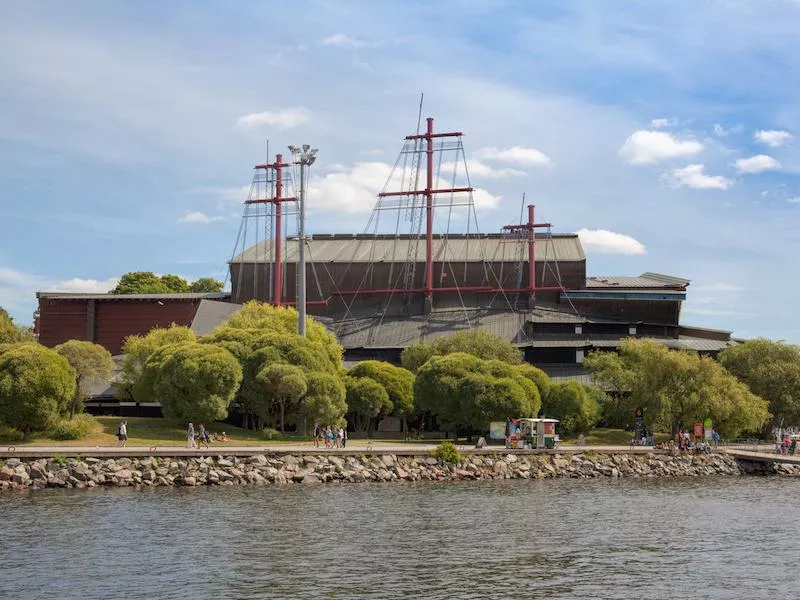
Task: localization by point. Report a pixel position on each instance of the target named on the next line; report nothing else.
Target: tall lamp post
(305, 157)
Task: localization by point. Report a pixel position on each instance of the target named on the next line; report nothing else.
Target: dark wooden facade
(108, 320)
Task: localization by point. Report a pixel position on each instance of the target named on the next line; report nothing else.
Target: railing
(752, 445)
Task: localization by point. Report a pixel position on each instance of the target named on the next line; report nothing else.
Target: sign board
(708, 435)
(497, 430)
(708, 423)
(698, 430)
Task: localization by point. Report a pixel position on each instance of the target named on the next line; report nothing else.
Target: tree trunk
(283, 426)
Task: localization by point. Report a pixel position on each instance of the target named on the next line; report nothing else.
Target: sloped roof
(211, 313)
(643, 281)
(120, 297)
(346, 248)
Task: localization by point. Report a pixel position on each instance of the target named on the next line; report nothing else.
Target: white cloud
(351, 190)
(516, 154)
(282, 119)
(477, 169)
(719, 130)
(661, 123)
(795, 200)
(693, 176)
(603, 241)
(757, 164)
(648, 147)
(85, 286)
(198, 217)
(485, 200)
(772, 137)
(343, 40)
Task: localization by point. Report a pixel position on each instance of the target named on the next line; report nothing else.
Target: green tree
(770, 370)
(677, 387)
(37, 386)
(398, 383)
(477, 342)
(140, 282)
(570, 403)
(137, 350)
(366, 399)
(10, 332)
(196, 381)
(175, 284)
(325, 400)
(467, 392)
(207, 285)
(91, 362)
(260, 335)
(284, 384)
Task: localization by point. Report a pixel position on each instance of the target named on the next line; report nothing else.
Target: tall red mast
(429, 193)
(277, 201)
(530, 227)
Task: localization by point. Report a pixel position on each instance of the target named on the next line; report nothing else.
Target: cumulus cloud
(795, 200)
(516, 154)
(772, 137)
(354, 189)
(693, 176)
(281, 119)
(85, 286)
(343, 40)
(663, 122)
(757, 164)
(648, 147)
(349, 190)
(199, 217)
(603, 241)
(477, 169)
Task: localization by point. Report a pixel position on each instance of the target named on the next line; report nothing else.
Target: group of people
(333, 437)
(202, 436)
(786, 446)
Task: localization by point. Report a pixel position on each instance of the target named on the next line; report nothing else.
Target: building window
(578, 329)
(632, 330)
(579, 356)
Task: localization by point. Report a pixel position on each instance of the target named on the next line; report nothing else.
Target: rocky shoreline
(267, 469)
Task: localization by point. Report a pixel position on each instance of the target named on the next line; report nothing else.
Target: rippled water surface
(704, 537)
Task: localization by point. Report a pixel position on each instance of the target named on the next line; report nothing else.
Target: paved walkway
(354, 447)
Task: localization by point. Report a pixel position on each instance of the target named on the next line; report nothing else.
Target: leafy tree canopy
(398, 383)
(284, 384)
(366, 399)
(37, 386)
(10, 332)
(477, 342)
(137, 350)
(770, 370)
(91, 362)
(466, 391)
(675, 388)
(147, 282)
(570, 403)
(195, 381)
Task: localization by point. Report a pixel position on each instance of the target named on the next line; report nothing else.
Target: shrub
(62, 460)
(271, 434)
(447, 452)
(79, 427)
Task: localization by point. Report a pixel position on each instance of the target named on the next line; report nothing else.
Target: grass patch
(153, 431)
(609, 437)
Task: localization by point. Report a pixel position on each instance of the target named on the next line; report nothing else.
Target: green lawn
(149, 431)
(609, 437)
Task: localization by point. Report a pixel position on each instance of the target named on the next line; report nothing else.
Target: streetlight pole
(305, 157)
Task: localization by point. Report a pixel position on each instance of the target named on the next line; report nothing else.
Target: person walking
(203, 435)
(343, 436)
(122, 433)
(328, 437)
(190, 443)
(317, 434)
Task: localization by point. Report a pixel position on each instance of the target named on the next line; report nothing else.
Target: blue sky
(666, 132)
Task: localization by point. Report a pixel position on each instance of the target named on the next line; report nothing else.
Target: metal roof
(401, 332)
(562, 373)
(211, 313)
(168, 297)
(456, 248)
(623, 282)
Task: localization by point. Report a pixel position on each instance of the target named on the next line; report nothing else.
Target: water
(703, 537)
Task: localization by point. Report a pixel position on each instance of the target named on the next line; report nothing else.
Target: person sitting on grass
(223, 437)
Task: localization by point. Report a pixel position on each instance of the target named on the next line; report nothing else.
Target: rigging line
(314, 270)
(522, 208)
(446, 260)
(419, 115)
(470, 205)
(246, 210)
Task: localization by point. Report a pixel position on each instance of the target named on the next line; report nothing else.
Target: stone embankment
(308, 469)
